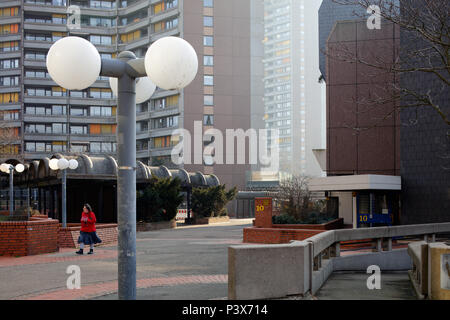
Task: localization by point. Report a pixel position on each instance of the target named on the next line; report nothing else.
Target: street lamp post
(171, 64)
(63, 165)
(8, 168)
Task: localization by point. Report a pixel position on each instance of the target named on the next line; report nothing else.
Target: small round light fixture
(53, 164)
(63, 164)
(73, 164)
(73, 63)
(171, 63)
(20, 168)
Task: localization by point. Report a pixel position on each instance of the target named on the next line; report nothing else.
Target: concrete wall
(345, 206)
(276, 271)
(272, 271)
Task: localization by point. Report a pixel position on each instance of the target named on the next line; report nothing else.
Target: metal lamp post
(63, 165)
(9, 168)
(170, 63)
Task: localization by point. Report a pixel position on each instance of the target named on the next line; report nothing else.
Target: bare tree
(424, 53)
(294, 196)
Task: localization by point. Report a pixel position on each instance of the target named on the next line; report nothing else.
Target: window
(78, 111)
(10, 97)
(162, 142)
(208, 120)
(208, 80)
(9, 46)
(102, 147)
(208, 100)
(101, 40)
(77, 129)
(208, 21)
(208, 60)
(9, 28)
(208, 3)
(82, 148)
(208, 41)
(9, 12)
(9, 64)
(9, 81)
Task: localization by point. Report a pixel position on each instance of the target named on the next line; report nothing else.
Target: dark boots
(91, 251)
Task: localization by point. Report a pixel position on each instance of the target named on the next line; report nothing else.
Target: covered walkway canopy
(93, 182)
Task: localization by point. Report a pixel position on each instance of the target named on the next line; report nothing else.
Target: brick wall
(68, 237)
(28, 237)
(276, 235)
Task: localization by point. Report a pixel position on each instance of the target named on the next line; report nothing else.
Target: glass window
(208, 120)
(95, 147)
(207, 21)
(208, 41)
(208, 60)
(208, 100)
(95, 111)
(208, 3)
(208, 80)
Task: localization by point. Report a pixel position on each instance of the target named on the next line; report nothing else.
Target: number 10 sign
(263, 212)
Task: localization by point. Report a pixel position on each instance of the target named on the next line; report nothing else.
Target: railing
(273, 271)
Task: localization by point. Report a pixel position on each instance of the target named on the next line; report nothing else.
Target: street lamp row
(9, 168)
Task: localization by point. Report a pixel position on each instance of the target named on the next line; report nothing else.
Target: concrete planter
(211, 220)
(152, 226)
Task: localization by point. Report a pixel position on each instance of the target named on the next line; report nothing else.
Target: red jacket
(89, 225)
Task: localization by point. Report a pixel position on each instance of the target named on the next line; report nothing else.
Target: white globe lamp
(53, 164)
(20, 168)
(73, 63)
(63, 164)
(171, 63)
(144, 88)
(73, 164)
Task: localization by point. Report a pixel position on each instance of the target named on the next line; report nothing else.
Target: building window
(9, 29)
(208, 60)
(9, 46)
(208, 100)
(208, 120)
(208, 21)
(9, 64)
(208, 80)
(208, 3)
(208, 41)
(10, 97)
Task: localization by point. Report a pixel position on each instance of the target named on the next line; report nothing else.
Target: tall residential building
(293, 95)
(40, 118)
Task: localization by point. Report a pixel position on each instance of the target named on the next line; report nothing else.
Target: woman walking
(88, 234)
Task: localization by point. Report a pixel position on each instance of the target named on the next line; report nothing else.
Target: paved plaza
(184, 263)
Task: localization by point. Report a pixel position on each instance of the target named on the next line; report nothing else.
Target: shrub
(312, 217)
(211, 202)
(160, 200)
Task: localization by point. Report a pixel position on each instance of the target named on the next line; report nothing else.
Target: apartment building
(40, 118)
(294, 98)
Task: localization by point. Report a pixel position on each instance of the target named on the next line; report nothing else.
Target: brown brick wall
(28, 237)
(276, 236)
(68, 237)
